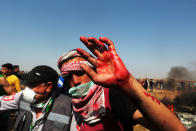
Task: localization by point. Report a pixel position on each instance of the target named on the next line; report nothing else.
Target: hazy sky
(151, 36)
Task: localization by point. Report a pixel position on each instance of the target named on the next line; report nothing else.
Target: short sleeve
(10, 102)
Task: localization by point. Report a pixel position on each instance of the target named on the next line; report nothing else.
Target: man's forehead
(4, 68)
(74, 59)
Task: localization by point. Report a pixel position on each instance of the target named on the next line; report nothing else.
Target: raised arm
(111, 72)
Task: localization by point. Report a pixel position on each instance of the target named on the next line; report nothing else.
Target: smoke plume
(182, 73)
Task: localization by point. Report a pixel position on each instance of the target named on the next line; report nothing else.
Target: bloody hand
(110, 69)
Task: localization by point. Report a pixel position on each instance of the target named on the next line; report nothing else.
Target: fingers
(100, 45)
(108, 42)
(87, 56)
(92, 47)
(89, 71)
(97, 47)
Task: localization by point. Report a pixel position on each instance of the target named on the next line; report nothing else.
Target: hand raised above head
(110, 69)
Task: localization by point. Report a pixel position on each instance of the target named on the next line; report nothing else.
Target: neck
(43, 100)
(9, 74)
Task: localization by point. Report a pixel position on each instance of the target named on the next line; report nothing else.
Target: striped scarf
(72, 66)
(66, 56)
(92, 106)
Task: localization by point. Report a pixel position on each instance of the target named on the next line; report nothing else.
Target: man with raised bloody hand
(105, 96)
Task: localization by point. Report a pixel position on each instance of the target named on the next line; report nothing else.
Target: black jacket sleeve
(122, 108)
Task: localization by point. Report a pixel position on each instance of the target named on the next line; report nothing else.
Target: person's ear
(49, 86)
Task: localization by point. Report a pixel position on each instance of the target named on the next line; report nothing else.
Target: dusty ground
(160, 94)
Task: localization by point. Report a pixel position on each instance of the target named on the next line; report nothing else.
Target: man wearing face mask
(40, 106)
(106, 96)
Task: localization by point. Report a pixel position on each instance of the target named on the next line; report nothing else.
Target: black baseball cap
(41, 73)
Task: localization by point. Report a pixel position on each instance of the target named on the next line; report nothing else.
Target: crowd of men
(93, 93)
(167, 84)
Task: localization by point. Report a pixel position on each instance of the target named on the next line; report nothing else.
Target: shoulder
(122, 107)
(63, 99)
(12, 77)
(10, 102)
(119, 100)
(62, 104)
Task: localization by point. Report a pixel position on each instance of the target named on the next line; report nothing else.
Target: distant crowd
(167, 84)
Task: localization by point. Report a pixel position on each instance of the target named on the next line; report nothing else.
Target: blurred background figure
(151, 82)
(14, 87)
(146, 84)
(13, 80)
(17, 72)
(2, 91)
(4, 117)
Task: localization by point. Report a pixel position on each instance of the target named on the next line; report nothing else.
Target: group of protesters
(167, 84)
(92, 93)
(9, 85)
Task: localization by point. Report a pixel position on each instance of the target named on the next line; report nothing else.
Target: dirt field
(160, 94)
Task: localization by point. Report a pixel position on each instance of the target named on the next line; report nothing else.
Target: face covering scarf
(91, 104)
(81, 90)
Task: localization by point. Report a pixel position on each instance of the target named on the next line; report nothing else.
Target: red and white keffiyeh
(66, 56)
(65, 69)
(72, 66)
(92, 106)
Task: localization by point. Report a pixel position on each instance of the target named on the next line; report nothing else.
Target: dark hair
(9, 66)
(16, 66)
(41, 73)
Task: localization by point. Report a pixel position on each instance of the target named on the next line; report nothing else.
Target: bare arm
(6, 86)
(111, 72)
(155, 114)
